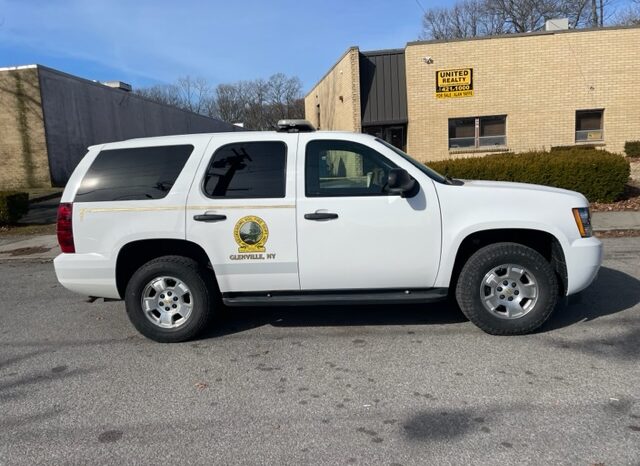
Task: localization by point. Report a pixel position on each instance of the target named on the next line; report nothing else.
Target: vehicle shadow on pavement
(612, 292)
(240, 319)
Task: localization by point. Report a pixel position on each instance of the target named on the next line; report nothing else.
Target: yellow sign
(454, 83)
(251, 234)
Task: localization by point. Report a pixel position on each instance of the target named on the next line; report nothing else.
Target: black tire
(196, 278)
(471, 277)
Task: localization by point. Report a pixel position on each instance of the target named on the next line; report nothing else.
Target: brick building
(518, 92)
(49, 118)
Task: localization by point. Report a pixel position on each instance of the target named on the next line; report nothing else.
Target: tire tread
(203, 319)
(476, 266)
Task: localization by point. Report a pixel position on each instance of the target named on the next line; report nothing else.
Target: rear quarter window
(134, 174)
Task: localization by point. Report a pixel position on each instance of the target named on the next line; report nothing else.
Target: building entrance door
(395, 135)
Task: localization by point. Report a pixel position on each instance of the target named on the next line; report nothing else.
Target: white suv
(178, 225)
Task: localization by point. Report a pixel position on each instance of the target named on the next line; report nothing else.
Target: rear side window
(133, 174)
(247, 170)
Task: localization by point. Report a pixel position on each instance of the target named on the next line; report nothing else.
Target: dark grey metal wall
(79, 113)
(383, 87)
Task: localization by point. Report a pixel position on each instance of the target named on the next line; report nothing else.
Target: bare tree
(230, 103)
(283, 92)
(167, 94)
(630, 16)
(577, 12)
(594, 13)
(466, 18)
(525, 15)
(471, 18)
(259, 103)
(194, 93)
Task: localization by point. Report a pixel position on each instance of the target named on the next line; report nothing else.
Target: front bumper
(87, 274)
(583, 259)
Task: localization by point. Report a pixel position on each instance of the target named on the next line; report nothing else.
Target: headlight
(583, 221)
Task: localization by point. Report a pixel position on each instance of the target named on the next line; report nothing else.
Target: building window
(589, 125)
(477, 132)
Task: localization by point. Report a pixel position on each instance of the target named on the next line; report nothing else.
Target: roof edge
(128, 94)
(19, 67)
(349, 50)
(382, 52)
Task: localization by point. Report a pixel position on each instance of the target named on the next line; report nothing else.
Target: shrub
(573, 147)
(13, 205)
(599, 175)
(632, 148)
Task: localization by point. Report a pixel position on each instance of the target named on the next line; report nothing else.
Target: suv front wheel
(507, 289)
(168, 299)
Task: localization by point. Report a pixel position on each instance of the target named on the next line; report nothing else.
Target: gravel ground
(348, 385)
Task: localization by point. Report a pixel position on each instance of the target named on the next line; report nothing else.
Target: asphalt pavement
(346, 385)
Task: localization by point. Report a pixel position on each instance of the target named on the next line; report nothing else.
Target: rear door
(241, 210)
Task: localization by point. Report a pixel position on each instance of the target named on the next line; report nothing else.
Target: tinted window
(344, 168)
(133, 174)
(247, 170)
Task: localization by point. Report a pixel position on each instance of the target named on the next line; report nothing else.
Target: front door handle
(321, 216)
(209, 218)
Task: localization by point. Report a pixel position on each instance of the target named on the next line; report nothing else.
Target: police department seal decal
(251, 234)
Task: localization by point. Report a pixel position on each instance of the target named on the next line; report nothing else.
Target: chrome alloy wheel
(509, 291)
(167, 302)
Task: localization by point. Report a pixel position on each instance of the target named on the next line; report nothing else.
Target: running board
(334, 297)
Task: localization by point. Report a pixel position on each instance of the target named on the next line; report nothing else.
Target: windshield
(434, 175)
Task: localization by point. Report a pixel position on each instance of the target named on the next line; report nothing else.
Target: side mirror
(400, 182)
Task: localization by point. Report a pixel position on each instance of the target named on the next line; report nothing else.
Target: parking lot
(344, 385)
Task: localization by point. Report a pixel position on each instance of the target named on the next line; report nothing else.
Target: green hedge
(573, 147)
(632, 148)
(13, 205)
(599, 175)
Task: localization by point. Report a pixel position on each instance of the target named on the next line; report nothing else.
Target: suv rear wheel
(507, 289)
(169, 300)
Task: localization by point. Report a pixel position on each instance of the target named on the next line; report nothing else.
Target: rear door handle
(321, 216)
(209, 218)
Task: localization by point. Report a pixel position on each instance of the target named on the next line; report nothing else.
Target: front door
(351, 233)
(241, 209)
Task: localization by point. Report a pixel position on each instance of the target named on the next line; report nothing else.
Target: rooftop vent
(118, 85)
(295, 126)
(558, 24)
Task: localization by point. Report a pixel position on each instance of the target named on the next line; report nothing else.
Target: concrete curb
(603, 221)
(39, 248)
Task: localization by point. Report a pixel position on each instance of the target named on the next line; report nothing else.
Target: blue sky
(145, 42)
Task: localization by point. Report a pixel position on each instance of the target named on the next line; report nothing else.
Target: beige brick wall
(23, 151)
(538, 81)
(338, 94)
